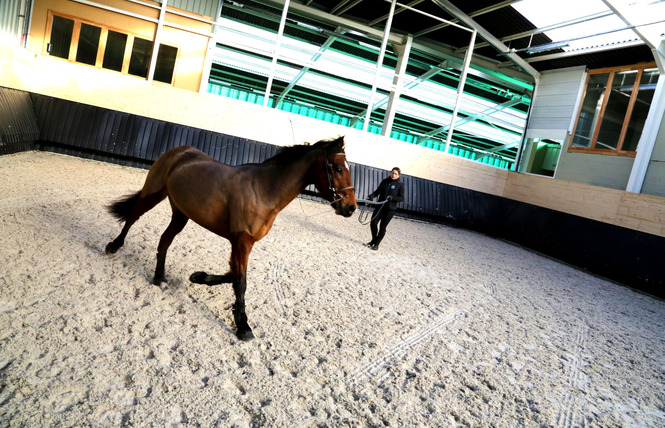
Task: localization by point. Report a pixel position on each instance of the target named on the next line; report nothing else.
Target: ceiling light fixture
(546, 47)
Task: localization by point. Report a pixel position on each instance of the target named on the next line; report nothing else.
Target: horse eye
(338, 170)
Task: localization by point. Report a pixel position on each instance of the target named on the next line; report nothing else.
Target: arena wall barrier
(18, 126)
(625, 255)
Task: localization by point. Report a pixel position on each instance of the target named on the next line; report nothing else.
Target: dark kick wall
(84, 130)
(18, 127)
(624, 255)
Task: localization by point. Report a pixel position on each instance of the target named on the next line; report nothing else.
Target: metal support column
(652, 125)
(155, 43)
(275, 54)
(403, 52)
(210, 52)
(651, 35)
(379, 63)
(460, 89)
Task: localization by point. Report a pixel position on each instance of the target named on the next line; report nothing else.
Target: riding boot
(374, 228)
(376, 241)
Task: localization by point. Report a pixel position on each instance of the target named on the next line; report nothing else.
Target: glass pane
(140, 60)
(593, 100)
(88, 44)
(115, 51)
(61, 37)
(615, 112)
(640, 110)
(165, 63)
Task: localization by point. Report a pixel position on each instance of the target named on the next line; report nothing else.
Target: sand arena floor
(441, 327)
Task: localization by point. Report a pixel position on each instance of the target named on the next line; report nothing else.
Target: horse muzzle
(348, 210)
(345, 206)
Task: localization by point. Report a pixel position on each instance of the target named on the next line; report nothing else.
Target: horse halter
(331, 185)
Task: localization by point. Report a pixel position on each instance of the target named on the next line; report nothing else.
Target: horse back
(224, 199)
(166, 163)
(181, 155)
(197, 185)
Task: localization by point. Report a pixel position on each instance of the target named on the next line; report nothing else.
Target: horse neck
(291, 178)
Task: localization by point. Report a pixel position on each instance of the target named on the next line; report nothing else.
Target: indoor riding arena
(501, 296)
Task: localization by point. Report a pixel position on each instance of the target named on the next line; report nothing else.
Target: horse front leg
(240, 249)
(241, 246)
(243, 330)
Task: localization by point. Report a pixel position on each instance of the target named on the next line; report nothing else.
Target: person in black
(392, 191)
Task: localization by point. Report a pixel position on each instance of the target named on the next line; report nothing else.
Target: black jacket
(392, 188)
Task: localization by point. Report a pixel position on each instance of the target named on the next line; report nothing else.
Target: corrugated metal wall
(633, 258)
(555, 102)
(18, 126)
(12, 20)
(202, 7)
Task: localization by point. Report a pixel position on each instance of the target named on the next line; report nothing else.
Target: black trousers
(383, 216)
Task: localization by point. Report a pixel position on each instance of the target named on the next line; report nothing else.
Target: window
(61, 37)
(114, 52)
(139, 62)
(614, 108)
(165, 60)
(88, 43)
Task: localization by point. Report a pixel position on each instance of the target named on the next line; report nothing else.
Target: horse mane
(290, 153)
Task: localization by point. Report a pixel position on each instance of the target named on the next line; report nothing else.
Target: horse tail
(123, 207)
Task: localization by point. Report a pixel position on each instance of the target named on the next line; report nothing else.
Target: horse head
(332, 177)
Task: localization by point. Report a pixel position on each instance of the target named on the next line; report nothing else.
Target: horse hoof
(110, 248)
(158, 280)
(198, 277)
(245, 335)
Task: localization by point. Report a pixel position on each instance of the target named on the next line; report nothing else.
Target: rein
(364, 210)
(331, 185)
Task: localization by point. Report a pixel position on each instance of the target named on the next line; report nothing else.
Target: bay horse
(238, 203)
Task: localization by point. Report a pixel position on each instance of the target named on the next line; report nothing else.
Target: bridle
(331, 185)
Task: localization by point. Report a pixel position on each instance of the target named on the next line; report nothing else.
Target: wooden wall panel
(596, 203)
(641, 212)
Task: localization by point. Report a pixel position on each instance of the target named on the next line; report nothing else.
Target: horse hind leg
(129, 209)
(208, 279)
(178, 222)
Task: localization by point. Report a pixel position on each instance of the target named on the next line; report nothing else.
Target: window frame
(101, 48)
(612, 71)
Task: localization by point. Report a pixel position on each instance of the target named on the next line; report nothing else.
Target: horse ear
(339, 142)
(332, 144)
